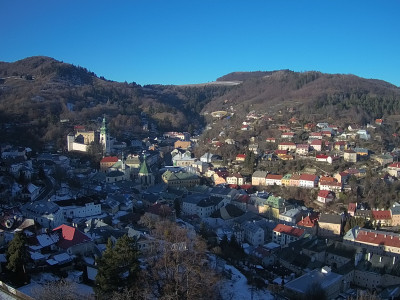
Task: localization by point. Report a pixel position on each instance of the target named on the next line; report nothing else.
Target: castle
(82, 138)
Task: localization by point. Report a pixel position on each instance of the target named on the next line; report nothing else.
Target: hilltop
(44, 98)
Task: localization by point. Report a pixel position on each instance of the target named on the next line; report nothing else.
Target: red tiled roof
(352, 207)
(377, 238)
(321, 156)
(289, 230)
(323, 193)
(108, 159)
(243, 198)
(316, 142)
(325, 179)
(308, 177)
(241, 156)
(287, 144)
(70, 236)
(395, 165)
(280, 151)
(307, 222)
(315, 134)
(274, 177)
(381, 214)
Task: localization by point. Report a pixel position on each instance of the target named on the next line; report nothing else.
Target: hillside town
(68, 207)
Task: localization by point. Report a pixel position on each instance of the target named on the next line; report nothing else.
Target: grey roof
(211, 201)
(41, 207)
(333, 219)
(303, 283)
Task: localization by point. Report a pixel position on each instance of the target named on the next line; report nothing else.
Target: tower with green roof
(145, 175)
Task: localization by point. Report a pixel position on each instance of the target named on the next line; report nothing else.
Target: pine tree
(16, 257)
(118, 267)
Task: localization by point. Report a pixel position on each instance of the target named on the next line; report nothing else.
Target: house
(73, 241)
(363, 152)
(284, 234)
(374, 241)
(302, 149)
(287, 146)
(329, 281)
(379, 122)
(309, 223)
(295, 180)
(287, 135)
(180, 179)
(350, 156)
(240, 157)
(291, 216)
(351, 208)
(394, 169)
(272, 179)
(316, 145)
(323, 158)
(342, 177)
(270, 140)
(395, 212)
(363, 134)
(340, 145)
(325, 196)
(253, 234)
(331, 186)
(330, 225)
(30, 192)
(383, 159)
(46, 213)
(207, 206)
(235, 179)
(183, 144)
(107, 162)
(382, 217)
(315, 136)
(308, 180)
(286, 179)
(258, 178)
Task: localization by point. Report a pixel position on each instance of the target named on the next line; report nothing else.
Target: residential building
(325, 196)
(350, 156)
(46, 213)
(284, 234)
(235, 179)
(180, 179)
(107, 162)
(253, 234)
(382, 217)
(286, 179)
(302, 149)
(258, 178)
(395, 212)
(272, 179)
(308, 180)
(291, 216)
(329, 281)
(330, 225)
(394, 169)
(183, 144)
(287, 146)
(240, 157)
(316, 145)
(295, 180)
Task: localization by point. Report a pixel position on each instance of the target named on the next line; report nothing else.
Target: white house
(308, 180)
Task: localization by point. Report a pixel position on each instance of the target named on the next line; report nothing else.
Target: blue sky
(181, 42)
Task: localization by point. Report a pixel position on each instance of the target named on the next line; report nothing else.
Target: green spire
(143, 168)
(103, 128)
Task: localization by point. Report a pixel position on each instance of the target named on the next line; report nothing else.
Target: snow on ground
(237, 287)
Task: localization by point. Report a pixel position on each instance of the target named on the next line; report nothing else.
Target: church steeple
(145, 176)
(105, 137)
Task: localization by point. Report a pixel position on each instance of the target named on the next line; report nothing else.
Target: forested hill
(41, 99)
(337, 96)
(44, 98)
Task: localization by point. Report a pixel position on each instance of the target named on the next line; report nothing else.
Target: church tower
(145, 176)
(105, 137)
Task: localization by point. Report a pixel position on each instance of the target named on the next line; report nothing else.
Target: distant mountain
(335, 96)
(41, 99)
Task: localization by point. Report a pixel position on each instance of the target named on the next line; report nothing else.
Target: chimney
(394, 260)
(380, 259)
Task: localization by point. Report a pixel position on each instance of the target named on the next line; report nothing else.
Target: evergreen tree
(118, 267)
(16, 257)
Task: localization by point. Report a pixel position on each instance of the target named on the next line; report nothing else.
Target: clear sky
(196, 41)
